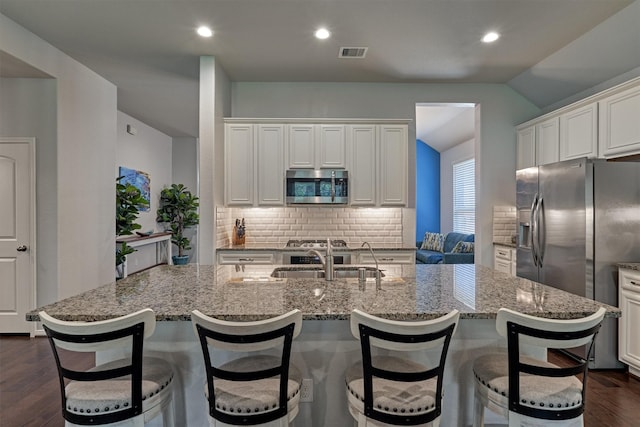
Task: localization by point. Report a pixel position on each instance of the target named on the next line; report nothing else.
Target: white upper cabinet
(317, 146)
(378, 167)
(270, 160)
(332, 147)
(604, 125)
(254, 164)
(362, 172)
(239, 164)
(259, 151)
(538, 144)
(579, 133)
(619, 122)
(547, 142)
(526, 148)
(302, 146)
(393, 161)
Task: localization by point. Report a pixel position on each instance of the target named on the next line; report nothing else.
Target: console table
(162, 241)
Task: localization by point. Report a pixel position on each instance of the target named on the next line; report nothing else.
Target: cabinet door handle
(245, 259)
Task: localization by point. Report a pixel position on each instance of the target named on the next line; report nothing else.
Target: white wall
(28, 108)
(86, 152)
(455, 154)
(148, 151)
(185, 171)
(184, 162)
(500, 109)
(215, 99)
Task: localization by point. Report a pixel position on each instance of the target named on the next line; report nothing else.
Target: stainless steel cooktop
(315, 243)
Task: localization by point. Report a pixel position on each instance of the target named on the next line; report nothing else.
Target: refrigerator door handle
(542, 231)
(534, 230)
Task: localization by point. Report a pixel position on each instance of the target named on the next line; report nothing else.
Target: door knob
(22, 248)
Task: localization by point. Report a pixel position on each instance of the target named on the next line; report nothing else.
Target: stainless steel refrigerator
(576, 220)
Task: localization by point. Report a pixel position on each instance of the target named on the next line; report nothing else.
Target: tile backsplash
(504, 224)
(274, 226)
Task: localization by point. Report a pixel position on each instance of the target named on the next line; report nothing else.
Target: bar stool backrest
(521, 328)
(247, 337)
(403, 336)
(127, 331)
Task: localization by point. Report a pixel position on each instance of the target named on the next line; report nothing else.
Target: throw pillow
(433, 242)
(462, 248)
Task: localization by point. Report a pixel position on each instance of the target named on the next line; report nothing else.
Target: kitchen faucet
(327, 261)
(328, 265)
(378, 272)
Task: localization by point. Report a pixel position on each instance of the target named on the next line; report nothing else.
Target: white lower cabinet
(504, 259)
(388, 257)
(246, 257)
(629, 303)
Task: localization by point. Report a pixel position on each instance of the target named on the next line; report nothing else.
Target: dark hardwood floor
(29, 390)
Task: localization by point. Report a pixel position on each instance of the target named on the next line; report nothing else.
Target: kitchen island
(325, 347)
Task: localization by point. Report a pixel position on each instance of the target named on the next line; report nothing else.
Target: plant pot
(121, 273)
(180, 260)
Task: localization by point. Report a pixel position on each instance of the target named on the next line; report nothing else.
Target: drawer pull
(245, 259)
(634, 283)
(386, 259)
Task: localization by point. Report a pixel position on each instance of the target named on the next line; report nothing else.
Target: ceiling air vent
(353, 52)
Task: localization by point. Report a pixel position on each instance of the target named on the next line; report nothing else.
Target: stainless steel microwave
(323, 186)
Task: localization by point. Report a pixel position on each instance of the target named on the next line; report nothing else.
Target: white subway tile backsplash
(504, 224)
(277, 225)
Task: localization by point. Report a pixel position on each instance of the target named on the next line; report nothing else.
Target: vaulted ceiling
(549, 49)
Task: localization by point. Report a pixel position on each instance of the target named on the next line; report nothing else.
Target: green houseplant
(128, 201)
(179, 209)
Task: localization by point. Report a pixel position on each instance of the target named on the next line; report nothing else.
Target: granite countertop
(630, 265)
(423, 292)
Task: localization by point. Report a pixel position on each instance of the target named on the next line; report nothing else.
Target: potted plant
(128, 201)
(179, 209)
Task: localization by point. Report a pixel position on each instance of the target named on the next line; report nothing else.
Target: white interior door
(17, 231)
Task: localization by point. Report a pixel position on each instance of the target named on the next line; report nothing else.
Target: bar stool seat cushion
(103, 397)
(393, 397)
(492, 371)
(255, 397)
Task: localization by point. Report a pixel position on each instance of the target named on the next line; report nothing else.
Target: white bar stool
(388, 390)
(127, 391)
(256, 388)
(528, 391)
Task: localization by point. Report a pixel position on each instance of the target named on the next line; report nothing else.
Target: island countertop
(424, 292)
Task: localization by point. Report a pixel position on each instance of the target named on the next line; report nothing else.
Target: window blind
(464, 196)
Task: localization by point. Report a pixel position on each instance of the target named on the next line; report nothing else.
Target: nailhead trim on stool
(492, 371)
(109, 396)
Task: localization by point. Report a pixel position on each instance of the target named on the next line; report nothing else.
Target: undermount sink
(316, 272)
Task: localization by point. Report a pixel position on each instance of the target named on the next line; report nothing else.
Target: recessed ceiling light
(322, 33)
(204, 31)
(490, 37)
